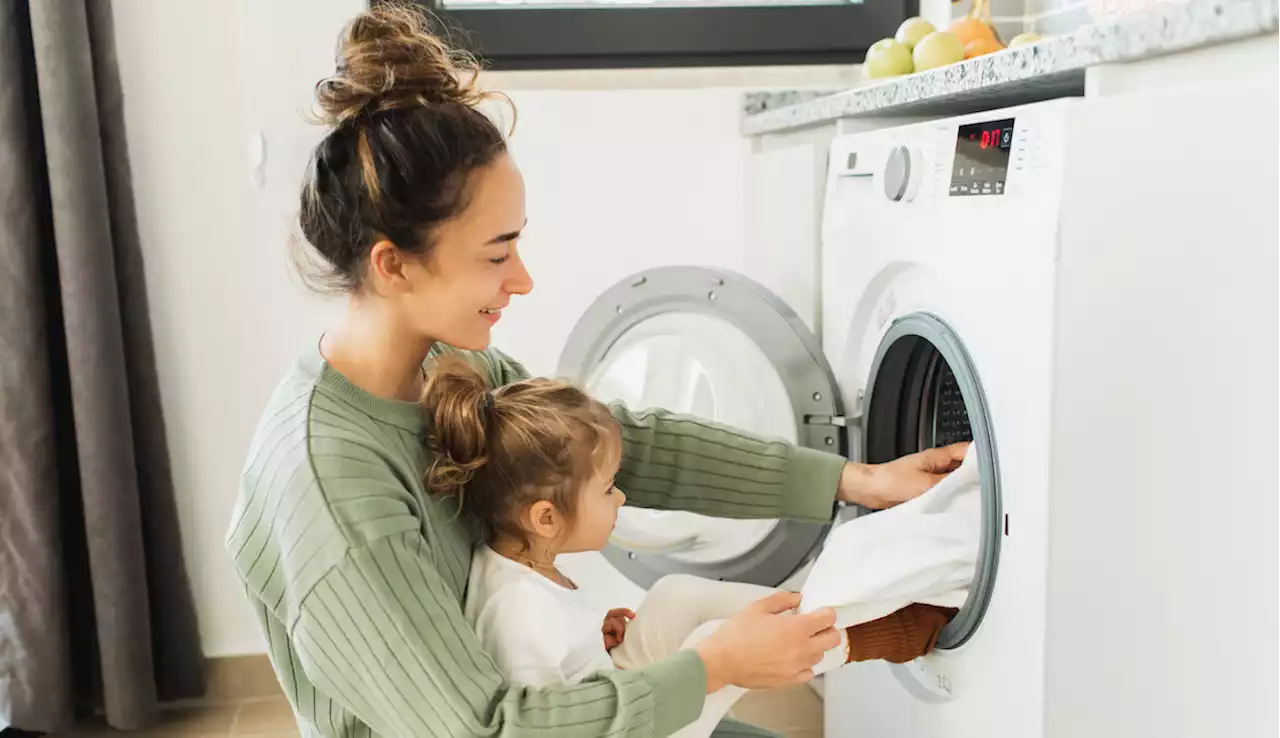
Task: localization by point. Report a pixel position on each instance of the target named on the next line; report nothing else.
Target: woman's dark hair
(499, 452)
(406, 134)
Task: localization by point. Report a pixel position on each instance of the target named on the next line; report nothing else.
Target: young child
(533, 464)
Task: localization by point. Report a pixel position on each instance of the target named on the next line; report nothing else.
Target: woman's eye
(499, 260)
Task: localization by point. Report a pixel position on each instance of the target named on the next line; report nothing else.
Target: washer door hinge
(838, 421)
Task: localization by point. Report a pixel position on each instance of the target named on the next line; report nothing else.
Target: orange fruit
(980, 46)
(970, 29)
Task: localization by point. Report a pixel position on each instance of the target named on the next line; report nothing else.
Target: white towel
(924, 551)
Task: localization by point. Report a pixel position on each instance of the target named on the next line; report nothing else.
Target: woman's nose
(518, 282)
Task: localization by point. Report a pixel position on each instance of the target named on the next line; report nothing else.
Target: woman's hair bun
(390, 58)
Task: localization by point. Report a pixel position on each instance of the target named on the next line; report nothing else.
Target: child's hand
(615, 627)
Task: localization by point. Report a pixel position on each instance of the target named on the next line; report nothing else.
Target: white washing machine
(1088, 289)
(1101, 325)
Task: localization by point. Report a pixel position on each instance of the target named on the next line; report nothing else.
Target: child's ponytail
(457, 402)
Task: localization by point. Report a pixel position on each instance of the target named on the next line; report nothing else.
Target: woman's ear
(387, 266)
(544, 520)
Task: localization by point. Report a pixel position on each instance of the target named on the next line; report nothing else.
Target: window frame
(516, 38)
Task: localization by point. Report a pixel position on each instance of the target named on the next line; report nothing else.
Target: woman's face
(457, 294)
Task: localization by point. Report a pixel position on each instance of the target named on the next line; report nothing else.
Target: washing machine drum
(714, 345)
(924, 391)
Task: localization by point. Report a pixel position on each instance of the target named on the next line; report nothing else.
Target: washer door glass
(702, 365)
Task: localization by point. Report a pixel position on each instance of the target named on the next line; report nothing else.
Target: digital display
(982, 158)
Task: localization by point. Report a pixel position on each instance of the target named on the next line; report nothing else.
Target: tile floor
(244, 702)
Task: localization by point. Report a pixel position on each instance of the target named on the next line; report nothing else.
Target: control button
(897, 173)
(902, 174)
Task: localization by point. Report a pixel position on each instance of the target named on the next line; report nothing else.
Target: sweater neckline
(402, 414)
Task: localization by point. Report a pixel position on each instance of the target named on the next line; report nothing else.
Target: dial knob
(902, 174)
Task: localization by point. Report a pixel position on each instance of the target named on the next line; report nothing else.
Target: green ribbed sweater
(357, 575)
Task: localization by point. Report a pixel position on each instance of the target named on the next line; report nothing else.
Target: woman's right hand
(768, 645)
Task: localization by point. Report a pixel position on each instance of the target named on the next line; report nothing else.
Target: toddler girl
(534, 465)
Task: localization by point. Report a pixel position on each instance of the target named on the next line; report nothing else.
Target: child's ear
(544, 519)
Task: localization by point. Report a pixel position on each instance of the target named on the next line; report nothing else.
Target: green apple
(938, 49)
(912, 30)
(887, 58)
(1023, 39)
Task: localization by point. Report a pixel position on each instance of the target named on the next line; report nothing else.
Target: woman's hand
(878, 486)
(768, 645)
(615, 627)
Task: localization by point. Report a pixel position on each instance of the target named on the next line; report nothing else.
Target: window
(581, 34)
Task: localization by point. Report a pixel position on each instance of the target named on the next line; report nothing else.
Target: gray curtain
(96, 612)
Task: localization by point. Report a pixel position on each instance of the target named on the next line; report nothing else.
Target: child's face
(597, 511)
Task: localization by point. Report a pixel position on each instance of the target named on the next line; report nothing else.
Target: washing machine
(1101, 325)
(1086, 289)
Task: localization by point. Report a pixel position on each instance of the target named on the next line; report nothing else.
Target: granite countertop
(1053, 67)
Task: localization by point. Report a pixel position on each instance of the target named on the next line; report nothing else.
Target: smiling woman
(354, 567)
(576, 34)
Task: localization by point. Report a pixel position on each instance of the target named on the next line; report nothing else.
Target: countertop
(1053, 67)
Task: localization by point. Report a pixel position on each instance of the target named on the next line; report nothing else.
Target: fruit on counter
(1025, 39)
(969, 29)
(887, 58)
(938, 49)
(912, 30)
(980, 46)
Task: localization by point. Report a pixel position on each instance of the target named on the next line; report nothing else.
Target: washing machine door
(713, 344)
(924, 391)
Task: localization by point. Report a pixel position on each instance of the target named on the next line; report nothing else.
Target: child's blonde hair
(501, 451)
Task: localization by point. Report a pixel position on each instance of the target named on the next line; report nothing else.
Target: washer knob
(902, 173)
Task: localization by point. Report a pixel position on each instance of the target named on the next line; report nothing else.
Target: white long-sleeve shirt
(538, 632)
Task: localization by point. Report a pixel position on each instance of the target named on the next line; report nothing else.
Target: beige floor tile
(270, 718)
(236, 678)
(215, 720)
(795, 712)
(185, 722)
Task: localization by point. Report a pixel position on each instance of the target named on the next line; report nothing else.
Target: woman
(357, 573)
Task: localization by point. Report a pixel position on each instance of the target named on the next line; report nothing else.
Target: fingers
(826, 640)
(941, 461)
(778, 602)
(818, 621)
(954, 454)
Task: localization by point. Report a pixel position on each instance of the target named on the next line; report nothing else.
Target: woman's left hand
(615, 627)
(879, 486)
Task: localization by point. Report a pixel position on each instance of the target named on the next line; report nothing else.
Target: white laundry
(922, 551)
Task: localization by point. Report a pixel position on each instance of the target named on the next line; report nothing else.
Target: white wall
(625, 171)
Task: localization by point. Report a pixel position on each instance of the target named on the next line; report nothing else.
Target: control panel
(980, 166)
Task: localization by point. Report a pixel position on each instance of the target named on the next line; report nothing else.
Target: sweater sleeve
(384, 635)
(679, 462)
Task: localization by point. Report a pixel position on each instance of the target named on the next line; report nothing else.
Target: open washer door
(713, 344)
(924, 391)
